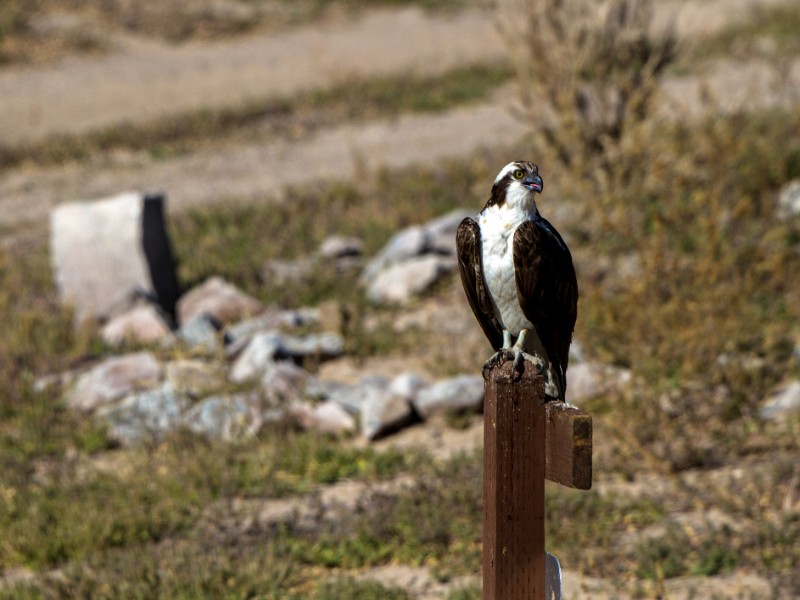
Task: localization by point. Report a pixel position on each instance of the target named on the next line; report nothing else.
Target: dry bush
(588, 72)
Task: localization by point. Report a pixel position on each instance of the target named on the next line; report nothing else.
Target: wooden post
(525, 441)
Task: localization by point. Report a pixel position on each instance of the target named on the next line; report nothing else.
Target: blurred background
(315, 157)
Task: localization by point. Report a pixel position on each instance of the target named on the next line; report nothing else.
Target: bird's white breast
(498, 225)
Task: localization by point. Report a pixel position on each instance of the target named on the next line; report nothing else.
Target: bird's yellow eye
(519, 174)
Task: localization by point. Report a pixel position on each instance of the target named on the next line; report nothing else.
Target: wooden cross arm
(568, 446)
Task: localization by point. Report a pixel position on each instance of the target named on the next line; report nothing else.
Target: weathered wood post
(526, 440)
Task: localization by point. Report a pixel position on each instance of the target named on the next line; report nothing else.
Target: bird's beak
(533, 183)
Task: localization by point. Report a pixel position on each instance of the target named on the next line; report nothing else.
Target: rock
(277, 272)
(338, 246)
(322, 346)
(407, 385)
(441, 232)
(200, 333)
(784, 401)
(147, 415)
(143, 324)
(259, 354)
(463, 393)
(267, 347)
(225, 417)
(383, 412)
(107, 252)
(283, 382)
(349, 397)
(400, 282)
(405, 244)
(193, 378)
(327, 417)
(114, 378)
(589, 380)
(788, 199)
(238, 335)
(218, 298)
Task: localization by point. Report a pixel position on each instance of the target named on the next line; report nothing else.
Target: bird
(519, 278)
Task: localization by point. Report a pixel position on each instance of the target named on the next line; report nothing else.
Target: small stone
(238, 335)
(400, 282)
(218, 298)
(407, 385)
(259, 354)
(349, 397)
(114, 378)
(278, 272)
(338, 246)
(193, 378)
(283, 382)
(225, 417)
(144, 415)
(318, 345)
(441, 232)
(327, 417)
(784, 401)
(143, 324)
(463, 393)
(788, 199)
(200, 333)
(405, 244)
(383, 412)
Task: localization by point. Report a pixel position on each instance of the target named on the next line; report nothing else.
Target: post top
(506, 373)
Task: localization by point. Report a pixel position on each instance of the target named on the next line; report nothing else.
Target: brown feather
(470, 264)
(547, 289)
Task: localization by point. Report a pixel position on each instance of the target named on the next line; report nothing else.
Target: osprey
(519, 278)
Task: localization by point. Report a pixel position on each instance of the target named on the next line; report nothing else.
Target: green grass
(716, 279)
(268, 118)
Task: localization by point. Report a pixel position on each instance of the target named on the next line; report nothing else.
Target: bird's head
(516, 185)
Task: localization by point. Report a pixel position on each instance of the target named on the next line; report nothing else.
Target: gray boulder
(383, 412)
(114, 378)
(462, 393)
(405, 244)
(108, 252)
(401, 281)
(147, 415)
(223, 417)
(338, 246)
(193, 378)
(788, 200)
(200, 333)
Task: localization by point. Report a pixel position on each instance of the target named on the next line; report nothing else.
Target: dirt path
(146, 80)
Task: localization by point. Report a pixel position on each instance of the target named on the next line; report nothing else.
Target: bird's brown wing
(547, 289)
(468, 249)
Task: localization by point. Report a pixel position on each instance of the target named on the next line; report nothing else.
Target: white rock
(383, 412)
(401, 281)
(327, 417)
(109, 251)
(784, 401)
(407, 385)
(143, 323)
(405, 244)
(218, 298)
(257, 357)
(789, 199)
(462, 393)
(200, 333)
(283, 382)
(114, 378)
(441, 232)
(338, 246)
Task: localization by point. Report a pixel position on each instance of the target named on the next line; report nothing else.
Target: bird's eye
(519, 174)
